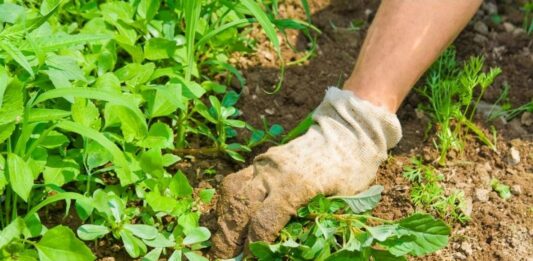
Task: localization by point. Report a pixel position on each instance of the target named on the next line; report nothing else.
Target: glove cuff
(377, 123)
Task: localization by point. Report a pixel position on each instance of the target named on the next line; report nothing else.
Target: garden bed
(499, 229)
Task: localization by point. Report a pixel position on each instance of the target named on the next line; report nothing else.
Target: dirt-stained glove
(339, 155)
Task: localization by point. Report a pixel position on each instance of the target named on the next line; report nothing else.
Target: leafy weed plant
(341, 228)
(453, 92)
(98, 99)
(428, 193)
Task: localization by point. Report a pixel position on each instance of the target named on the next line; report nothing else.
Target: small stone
(527, 118)
(516, 189)
(219, 178)
(468, 206)
(516, 129)
(480, 39)
(491, 8)
(514, 156)
(481, 28)
(459, 255)
(467, 248)
(270, 111)
(519, 31)
(482, 195)
(508, 27)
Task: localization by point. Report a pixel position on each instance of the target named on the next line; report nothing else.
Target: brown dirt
(499, 230)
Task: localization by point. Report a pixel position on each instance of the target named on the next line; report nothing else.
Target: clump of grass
(453, 91)
(428, 193)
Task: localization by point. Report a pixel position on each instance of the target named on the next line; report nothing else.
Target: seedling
(503, 190)
(450, 90)
(428, 193)
(341, 228)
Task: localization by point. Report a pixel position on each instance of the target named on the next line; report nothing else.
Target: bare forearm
(404, 39)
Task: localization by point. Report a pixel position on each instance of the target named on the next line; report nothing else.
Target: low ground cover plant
(428, 194)
(98, 98)
(342, 228)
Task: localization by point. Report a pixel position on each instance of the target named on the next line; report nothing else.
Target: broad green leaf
(159, 241)
(33, 226)
(363, 201)
(160, 203)
(159, 48)
(147, 9)
(11, 231)
(134, 246)
(126, 176)
(16, 55)
(54, 139)
(193, 256)
(20, 175)
(92, 232)
(196, 235)
(10, 13)
(151, 162)
(84, 208)
(60, 243)
(170, 159)
(179, 185)
(133, 128)
(345, 255)
(421, 234)
(108, 82)
(153, 255)
(206, 195)
(85, 113)
(176, 256)
(6, 130)
(188, 222)
(60, 170)
(380, 255)
(135, 74)
(164, 100)
(96, 155)
(381, 233)
(142, 231)
(12, 108)
(264, 251)
(160, 135)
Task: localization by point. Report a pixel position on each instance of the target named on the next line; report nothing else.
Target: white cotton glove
(339, 155)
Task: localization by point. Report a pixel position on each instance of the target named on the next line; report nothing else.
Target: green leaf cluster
(99, 99)
(341, 228)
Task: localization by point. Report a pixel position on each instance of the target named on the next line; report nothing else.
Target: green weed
(428, 193)
(527, 8)
(341, 228)
(453, 92)
(98, 99)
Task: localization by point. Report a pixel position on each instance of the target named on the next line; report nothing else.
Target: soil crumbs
(499, 229)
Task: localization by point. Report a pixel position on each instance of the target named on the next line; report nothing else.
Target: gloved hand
(339, 155)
